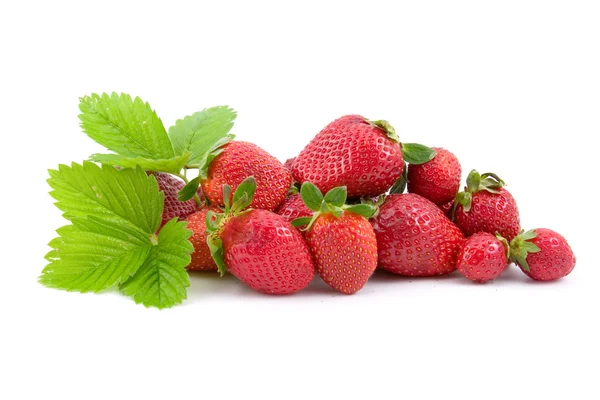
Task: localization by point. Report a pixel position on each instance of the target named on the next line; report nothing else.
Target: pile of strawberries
(339, 209)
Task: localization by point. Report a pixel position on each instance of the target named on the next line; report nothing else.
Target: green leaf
(162, 280)
(336, 196)
(93, 254)
(172, 165)
(189, 190)
(312, 196)
(128, 196)
(415, 153)
(366, 210)
(207, 158)
(301, 221)
(127, 127)
(199, 132)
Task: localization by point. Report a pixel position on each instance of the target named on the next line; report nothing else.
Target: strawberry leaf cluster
(114, 237)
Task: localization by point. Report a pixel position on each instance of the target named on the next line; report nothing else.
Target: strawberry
(363, 155)
(257, 246)
(340, 238)
(236, 161)
(173, 208)
(201, 257)
(542, 254)
(289, 163)
(438, 179)
(293, 207)
(415, 238)
(485, 206)
(447, 208)
(483, 257)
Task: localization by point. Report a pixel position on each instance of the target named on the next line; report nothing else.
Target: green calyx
(234, 205)
(521, 246)
(400, 185)
(413, 153)
(477, 182)
(387, 127)
(334, 202)
(504, 243)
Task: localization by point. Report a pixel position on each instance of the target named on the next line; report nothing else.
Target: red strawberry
(173, 208)
(259, 247)
(483, 257)
(363, 155)
(289, 163)
(447, 208)
(542, 254)
(237, 161)
(415, 238)
(341, 240)
(486, 206)
(201, 257)
(437, 180)
(293, 207)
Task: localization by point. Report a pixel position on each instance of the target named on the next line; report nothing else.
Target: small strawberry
(438, 179)
(236, 161)
(173, 208)
(293, 207)
(483, 257)
(415, 238)
(201, 257)
(289, 163)
(257, 246)
(363, 155)
(542, 254)
(485, 206)
(447, 208)
(340, 238)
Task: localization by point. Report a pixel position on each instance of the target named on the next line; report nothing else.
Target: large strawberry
(293, 207)
(173, 208)
(438, 179)
(483, 257)
(201, 257)
(415, 238)
(236, 161)
(340, 238)
(485, 206)
(259, 247)
(363, 155)
(544, 255)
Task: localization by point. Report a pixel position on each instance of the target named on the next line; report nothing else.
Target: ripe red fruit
(344, 250)
(340, 238)
(486, 206)
(437, 180)
(239, 160)
(201, 257)
(259, 247)
(542, 254)
(362, 155)
(264, 251)
(415, 238)
(173, 208)
(447, 208)
(289, 163)
(293, 207)
(483, 257)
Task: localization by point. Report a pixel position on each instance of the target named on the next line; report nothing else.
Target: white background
(511, 87)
